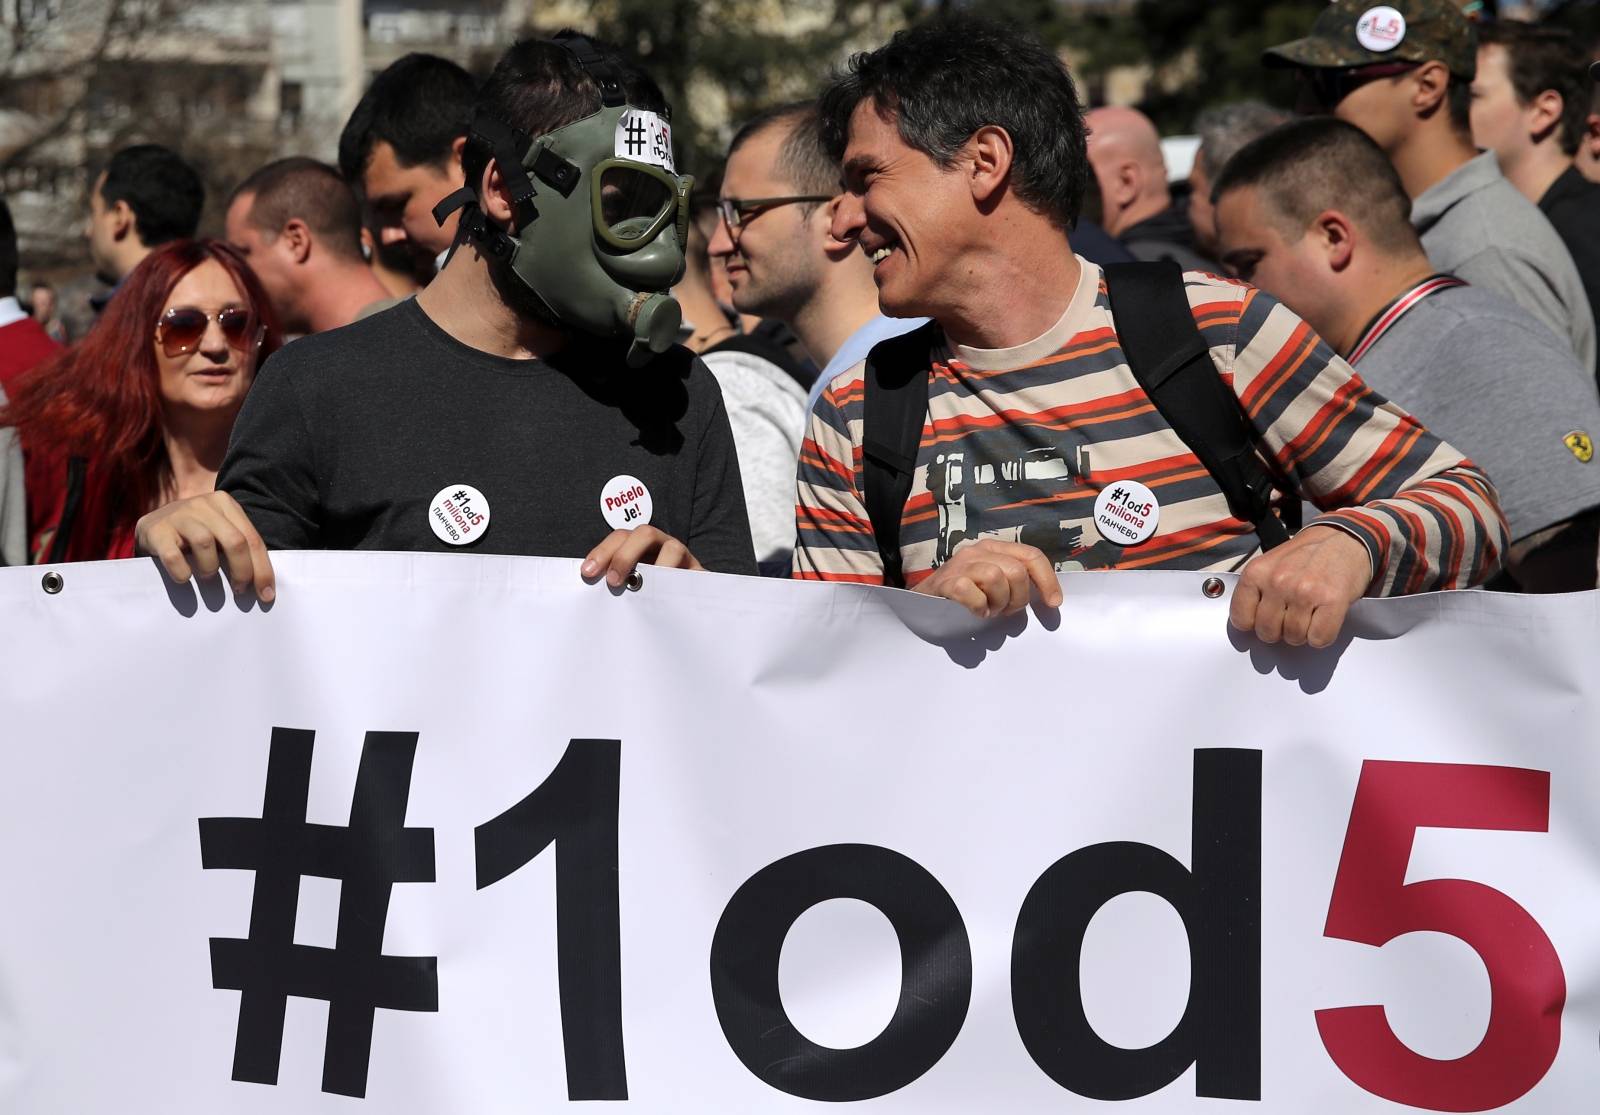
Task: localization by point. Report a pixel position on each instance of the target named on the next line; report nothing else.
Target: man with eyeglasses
(1403, 73)
(778, 197)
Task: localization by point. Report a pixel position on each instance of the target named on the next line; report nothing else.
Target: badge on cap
(1581, 444)
(645, 137)
(1381, 29)
(625, 502)
(459, 515)
(1126, 513)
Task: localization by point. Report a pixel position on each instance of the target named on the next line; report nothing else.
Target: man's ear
(1544, 114)
(453, 169)
(496, 197)
(296, 240)
(991, 151)
(1430, 85)
(122, 220)
(1591, 134)
(1335, 236)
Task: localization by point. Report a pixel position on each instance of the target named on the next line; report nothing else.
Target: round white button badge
(1126, 513)
(625, 502)
(459, 515)
(1381, 29)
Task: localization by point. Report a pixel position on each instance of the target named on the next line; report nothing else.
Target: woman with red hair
(138, 413)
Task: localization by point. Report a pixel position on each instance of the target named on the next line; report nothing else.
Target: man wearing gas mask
(531, 400)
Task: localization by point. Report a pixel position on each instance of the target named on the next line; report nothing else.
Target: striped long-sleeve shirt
(1018, 444)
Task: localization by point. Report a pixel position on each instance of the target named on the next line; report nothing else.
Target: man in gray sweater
(1403, 74)
(1314, 214)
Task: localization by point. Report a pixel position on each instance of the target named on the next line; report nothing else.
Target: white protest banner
(447, 833)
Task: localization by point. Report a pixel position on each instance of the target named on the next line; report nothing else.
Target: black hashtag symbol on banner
(461, 496)
(368, 857)
(1117, 495)
(635, 132)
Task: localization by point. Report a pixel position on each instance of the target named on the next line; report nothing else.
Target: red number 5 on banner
(1372, 904)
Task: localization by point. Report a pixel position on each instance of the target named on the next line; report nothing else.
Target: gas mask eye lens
(632, 202)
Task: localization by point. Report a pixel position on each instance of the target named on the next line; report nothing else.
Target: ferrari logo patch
(1581, 445)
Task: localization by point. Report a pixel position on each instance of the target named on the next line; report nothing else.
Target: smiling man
(965, 165)
(775, 240)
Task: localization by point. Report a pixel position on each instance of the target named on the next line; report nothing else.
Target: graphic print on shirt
(977, 494)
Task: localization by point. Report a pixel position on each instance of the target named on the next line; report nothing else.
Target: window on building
(291, 105)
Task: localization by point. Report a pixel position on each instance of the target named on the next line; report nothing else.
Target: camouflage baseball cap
(1360, 33)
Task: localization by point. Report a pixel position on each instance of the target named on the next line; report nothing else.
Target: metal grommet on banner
(1213, 587)
(53, 582)
(635, 581)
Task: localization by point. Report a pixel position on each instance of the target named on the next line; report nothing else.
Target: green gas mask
(599, 213)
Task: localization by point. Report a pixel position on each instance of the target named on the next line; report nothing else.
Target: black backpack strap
(1172, 363)
(894, 408)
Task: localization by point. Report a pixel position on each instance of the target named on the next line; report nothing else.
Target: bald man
(1125, 151)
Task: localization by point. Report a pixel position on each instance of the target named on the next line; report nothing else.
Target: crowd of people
(939, 327)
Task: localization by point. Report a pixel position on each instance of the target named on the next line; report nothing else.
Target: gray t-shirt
(1479, 227)
(766, 411)
(1479, 372)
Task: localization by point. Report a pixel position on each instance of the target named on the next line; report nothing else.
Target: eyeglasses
(181, 328)
(1329, 86)
(738, 210)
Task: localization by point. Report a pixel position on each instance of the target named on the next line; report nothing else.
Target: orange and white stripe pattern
(1018, 443)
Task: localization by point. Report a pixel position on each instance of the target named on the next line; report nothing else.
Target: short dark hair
(539, 85)
(1318, 163)
(420, 105)
(1541, 58)
(163, 191)
(804, 160)
(945, 79)
(310, 190)
(8, 252)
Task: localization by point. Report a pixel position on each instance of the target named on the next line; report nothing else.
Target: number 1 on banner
(575, 809)
(1373, 904)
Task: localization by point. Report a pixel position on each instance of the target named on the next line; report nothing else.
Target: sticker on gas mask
(645, 137)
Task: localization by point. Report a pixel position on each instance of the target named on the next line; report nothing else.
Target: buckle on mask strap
(491, 240)
(509, 146)
(604, 70)
(556, 172)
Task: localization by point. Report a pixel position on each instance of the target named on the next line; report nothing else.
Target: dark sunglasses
(1329, 86)
(180, 329)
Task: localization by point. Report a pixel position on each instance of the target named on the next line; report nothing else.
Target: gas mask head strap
(605, 71)
(510, 147)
